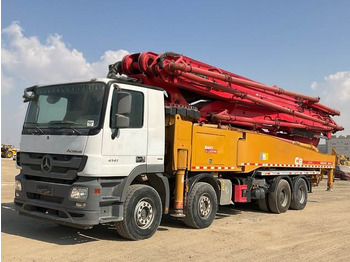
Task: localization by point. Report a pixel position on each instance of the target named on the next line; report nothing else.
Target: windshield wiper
(66, 124)
(34, 125)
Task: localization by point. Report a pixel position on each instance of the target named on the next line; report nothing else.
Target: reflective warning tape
(257, 164)
(212, 167)
(286, 165)
(288, 172)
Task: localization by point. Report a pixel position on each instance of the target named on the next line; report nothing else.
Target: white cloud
(314, 86)
(27, 61)
(334, 91)
(109, 57)
(7, 83)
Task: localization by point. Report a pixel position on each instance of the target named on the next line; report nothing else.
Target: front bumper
(54, 204)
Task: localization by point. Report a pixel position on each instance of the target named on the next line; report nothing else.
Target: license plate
(44, 190)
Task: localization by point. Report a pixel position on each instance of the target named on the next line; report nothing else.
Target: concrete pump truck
(166, 134)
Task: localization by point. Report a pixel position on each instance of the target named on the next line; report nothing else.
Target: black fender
(157, 180)
(204, 177)
(161, 184)
(273, 185)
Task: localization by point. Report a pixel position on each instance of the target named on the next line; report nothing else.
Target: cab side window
(136, 114)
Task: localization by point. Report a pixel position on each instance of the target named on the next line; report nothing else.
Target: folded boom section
(228, 98)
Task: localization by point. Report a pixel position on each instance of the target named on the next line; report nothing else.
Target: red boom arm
(224, 97)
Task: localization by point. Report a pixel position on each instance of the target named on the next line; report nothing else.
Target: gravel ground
(320, 232)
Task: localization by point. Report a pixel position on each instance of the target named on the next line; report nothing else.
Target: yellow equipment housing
(224, 149)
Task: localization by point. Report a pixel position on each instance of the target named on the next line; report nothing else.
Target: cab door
(125, 148)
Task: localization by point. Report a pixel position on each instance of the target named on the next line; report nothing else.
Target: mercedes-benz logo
(46, 164)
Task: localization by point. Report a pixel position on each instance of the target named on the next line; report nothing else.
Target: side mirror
(123, 108)
(121, 121)
(29, 97)
(124, 103)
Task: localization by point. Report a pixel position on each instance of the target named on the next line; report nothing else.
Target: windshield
(71, 106)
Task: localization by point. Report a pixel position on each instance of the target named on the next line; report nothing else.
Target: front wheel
(142, 213)
(201, 206)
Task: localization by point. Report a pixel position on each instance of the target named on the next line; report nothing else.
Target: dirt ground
(321, 232)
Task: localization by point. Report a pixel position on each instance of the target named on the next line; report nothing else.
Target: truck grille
(62, 167)
(52, 199)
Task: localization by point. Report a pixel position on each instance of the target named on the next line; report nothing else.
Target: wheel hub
(301, 195)
(144, 214)
(283, 198)
(205, 206)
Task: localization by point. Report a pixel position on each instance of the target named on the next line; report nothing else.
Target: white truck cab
(83, 144)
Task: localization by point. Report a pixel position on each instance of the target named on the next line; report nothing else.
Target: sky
(302, 46)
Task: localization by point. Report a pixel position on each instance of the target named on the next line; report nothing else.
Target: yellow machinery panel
(214, 149)
(258, 150)
(179, 139)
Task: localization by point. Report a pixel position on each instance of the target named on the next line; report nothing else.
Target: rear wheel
(201, 206)
(279, 201)
(299, 198)
(142, 213)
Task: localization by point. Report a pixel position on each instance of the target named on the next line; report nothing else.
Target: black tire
(9, 154)
(279, 201)
(201, 206)
(300, 194)
(142, 213)
(264, 204)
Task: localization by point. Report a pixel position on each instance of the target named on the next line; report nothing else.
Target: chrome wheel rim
(144, 213)
(283, 197)
(301, 195)
(204, 206)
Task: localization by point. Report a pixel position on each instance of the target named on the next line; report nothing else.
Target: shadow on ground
(14, 224)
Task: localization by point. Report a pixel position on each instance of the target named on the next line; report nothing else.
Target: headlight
(18, 185)
(79, 193)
